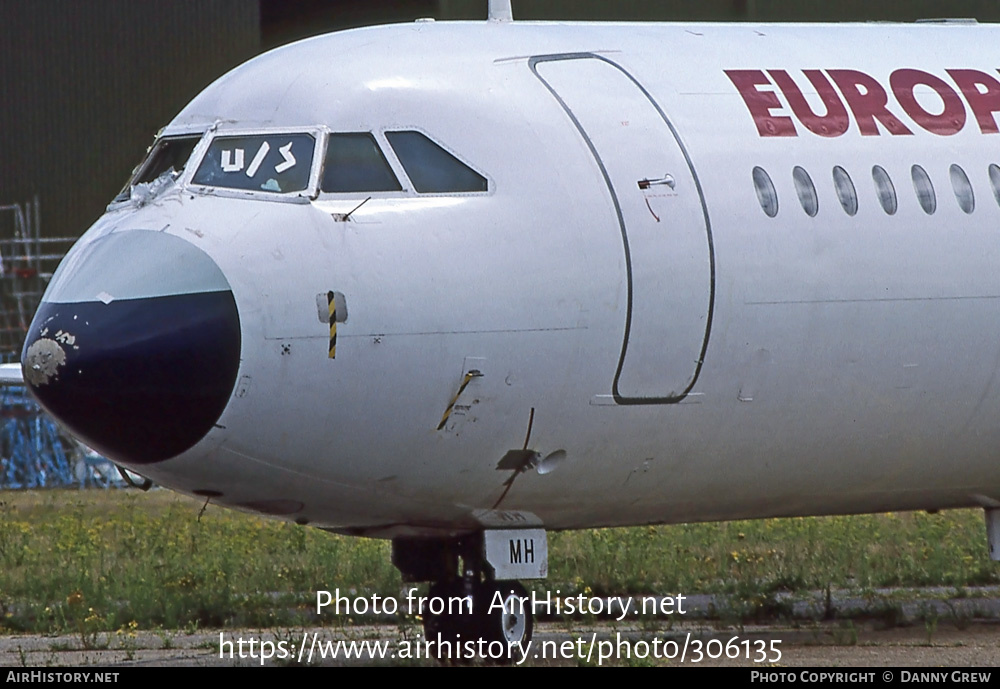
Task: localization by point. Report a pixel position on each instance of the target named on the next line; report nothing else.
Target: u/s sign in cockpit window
(277, 163)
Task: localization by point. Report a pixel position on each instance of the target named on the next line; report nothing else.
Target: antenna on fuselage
(345, 217)
(500, 11)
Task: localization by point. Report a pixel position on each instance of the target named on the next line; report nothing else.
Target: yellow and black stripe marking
(465, 383)
(332, 306)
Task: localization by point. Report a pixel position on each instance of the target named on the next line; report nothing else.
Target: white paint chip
(105, 298)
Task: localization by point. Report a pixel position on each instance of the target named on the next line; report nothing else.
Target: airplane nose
(135, 347)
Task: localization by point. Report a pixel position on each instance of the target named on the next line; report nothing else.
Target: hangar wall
(85, 85)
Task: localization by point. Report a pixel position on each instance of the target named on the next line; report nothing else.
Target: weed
(888, 614)
(408, 626)
(960, 617)
(846, 634)
(629, 661)
(128, 639)
(828, 610)
(166, 639)
(652, 624)
(930, 617)
(751, 601)
(288, 639)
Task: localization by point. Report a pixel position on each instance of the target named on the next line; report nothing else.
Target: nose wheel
(500, 617)
(506, 613)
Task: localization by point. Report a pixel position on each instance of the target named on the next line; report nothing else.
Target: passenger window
(806, 190)
(925, 190)
(995, 181)
(354, 162)
(883, 187)
(431, 168)
(766, 195)
(846, 192)
(272, 162)
(963, 189)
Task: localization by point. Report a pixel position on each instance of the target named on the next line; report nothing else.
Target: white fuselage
(695, 358)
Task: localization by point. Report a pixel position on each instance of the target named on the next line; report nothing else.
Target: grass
(862, 551)
(100, 560)
(93, 562)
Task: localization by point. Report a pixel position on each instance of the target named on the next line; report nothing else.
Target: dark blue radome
(139, 380)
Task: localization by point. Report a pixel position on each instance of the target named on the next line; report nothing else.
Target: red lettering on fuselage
(949, 122)
(834, 123)
(760, 103)
(927, 99)
(985, 101)
(867, 100)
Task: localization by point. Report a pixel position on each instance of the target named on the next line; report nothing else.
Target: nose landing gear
(468, 615)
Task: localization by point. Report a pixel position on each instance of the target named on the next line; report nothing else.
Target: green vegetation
(99, 561)
(860, 552)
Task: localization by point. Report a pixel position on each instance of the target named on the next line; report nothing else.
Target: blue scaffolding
(36, 453)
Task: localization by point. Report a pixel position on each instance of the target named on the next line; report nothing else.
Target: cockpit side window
(354, 162)
(278, 163)
(431, 168)
(165, 155)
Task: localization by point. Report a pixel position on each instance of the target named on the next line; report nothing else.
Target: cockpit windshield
(167, 155)
(278, 163)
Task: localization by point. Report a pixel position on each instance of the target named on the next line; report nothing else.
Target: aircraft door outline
(648, 324)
